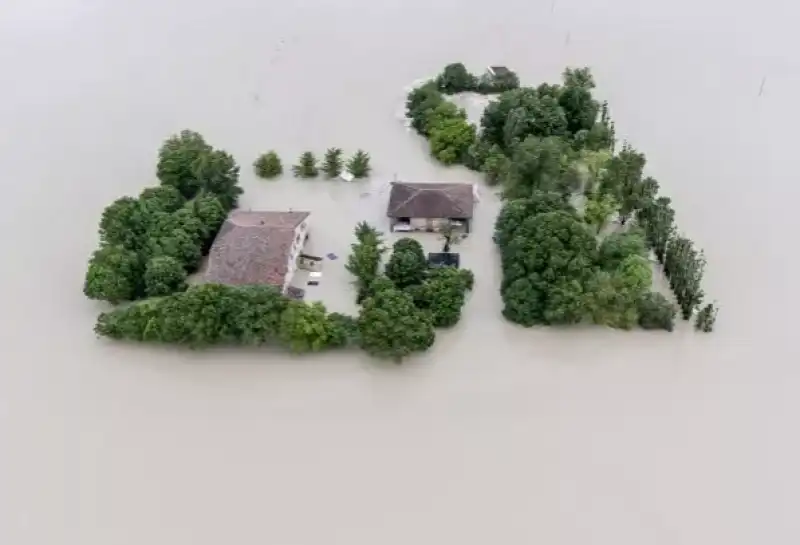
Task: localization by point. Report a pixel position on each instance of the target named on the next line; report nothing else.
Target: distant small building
(255, 247)
(499, 71)
(429, 206)
(443, 259)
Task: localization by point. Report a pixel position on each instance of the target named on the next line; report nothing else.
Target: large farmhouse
(429, 206)
(258, 248)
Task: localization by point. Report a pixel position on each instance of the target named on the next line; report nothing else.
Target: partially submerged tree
(177, 161)
(332, 164)
(706, 318)
(359, 164)
(113, 275)
(392, 327)
(656, 312)
(455, 78)
(306, 327)
(407, 265)
(268, 165)
(450, 140)
(306, 166)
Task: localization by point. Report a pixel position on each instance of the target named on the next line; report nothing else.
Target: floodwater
(498, 435)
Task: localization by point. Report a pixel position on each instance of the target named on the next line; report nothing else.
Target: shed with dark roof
(257, 247)
(430, 205)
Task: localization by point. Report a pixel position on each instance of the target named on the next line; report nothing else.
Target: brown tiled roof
(253, 248)
(431, 200)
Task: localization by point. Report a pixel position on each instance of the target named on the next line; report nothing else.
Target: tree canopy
(392, 327)
(177, 220)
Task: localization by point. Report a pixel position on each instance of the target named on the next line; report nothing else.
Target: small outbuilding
(499, 71)
(430, 206)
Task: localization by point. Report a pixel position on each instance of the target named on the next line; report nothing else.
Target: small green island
(580, 232)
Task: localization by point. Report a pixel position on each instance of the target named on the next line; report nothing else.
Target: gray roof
(499, 71)
(431, 200)
(253, 248)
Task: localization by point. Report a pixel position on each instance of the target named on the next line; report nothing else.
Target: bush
(358, 165)
(656, 312)
(306, 166)
(164, 275)
(268, 165)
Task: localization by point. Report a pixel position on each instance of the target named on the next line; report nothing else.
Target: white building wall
(297, 248)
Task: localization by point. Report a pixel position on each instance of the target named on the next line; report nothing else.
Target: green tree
(268, 165)
(163, 198)
(344, 330)
(177, 244)
(706, 318)
(358, 165)
(164, 275)
(306, 166)
(623, 180)
(124, 223)
(420, 104)
(547, 266)
(209, 210)
(497, 112)
(455, 78)
(618, 246)
(176, 161)
(598, 210)
(365, 258)
(113, 275)
(576, 100)
(614, 297)
(306, 327)
(218, 173)
(515, 211)
(658, 220)
(407, 265)
(332, 164)
(495, 166)
(443, 294)
(536, 164)
(392, 327)
(656, 312)
(450, 140)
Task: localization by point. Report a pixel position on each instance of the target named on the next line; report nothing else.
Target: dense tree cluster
(400, 307)
(214, 314)
(445, 125)
(149, 244)
(555, 273)
(547, 145)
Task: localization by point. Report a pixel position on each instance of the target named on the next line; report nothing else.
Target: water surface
(498, 435)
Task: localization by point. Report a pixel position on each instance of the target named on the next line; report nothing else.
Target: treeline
(558, 140)
(149, 244)
(455, 78)
(214, 314)
(401, 307)
(269, 164)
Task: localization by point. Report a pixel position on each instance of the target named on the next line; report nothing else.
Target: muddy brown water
(498, 435)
